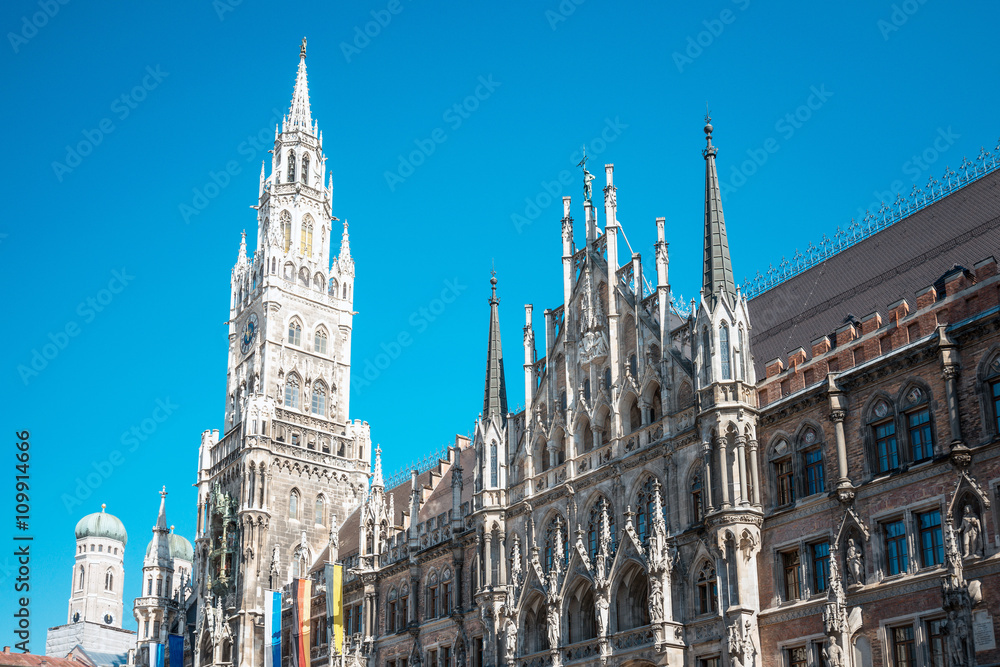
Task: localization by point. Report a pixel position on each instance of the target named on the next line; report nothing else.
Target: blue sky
(829, 102)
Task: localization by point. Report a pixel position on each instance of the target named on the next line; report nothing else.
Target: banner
(156, 654)
(335, 604)
(302, 616)
(175, 650)
(272, 628)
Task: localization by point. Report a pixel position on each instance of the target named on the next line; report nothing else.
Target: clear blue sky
(885, 95)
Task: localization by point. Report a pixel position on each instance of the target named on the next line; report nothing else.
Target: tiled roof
(31, 660)
(895, 263)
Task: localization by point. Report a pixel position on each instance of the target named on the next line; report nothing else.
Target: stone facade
(653, 503)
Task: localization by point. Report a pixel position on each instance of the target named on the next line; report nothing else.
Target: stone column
(755, 472)
(706, 452)
(950, 374)
(838, 413)
(741, 454)
(502, 555)
(488, 558)
(720, 445)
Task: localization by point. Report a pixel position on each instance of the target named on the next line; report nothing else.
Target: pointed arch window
(744, 358)
(319, 515)
(291, 166)
(594, 527)
(305, 168)
(646, 508)
(306, 237)
(293, 505)
(556, 527)
(292, 392)
(79, 580)
(109, 580)
(727, 373)
(919, 432)
(320, 341)
(319, 399)
(708, 590)
(294, 333)
(697, 512)
(286, 230)
(494, 466)
(882, 423)
(784, 473)
(706, 356)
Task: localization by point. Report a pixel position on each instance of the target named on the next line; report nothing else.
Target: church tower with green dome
(94, 619)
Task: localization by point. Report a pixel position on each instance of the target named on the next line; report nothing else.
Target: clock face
(249, 333)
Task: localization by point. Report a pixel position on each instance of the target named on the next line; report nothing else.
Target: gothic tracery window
(556, 527)
(291, 166)
(319, 399)
(293, 505)
(292, 392)
(645, 509)
(294, 333)
(286, 229)
(724, 352)
(594, 527)
(306, 237)
(305, 168)
(320, 511)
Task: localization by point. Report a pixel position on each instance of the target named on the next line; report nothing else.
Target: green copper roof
(180, 548)
(101, 524)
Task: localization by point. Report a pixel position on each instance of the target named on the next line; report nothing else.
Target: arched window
(607, 378)
(708, 590)
(306, 238)
(632, 600)
(79, 580)
(990, 382)
(494, 466)
(738, 373)
(320, 341)
(109, 580)
(320, 511)
(811, 451)
(305, 168)
(319, 399)
(149, 587)
(919, 430)
(274, 265)
(159, 587)
(293, 505)
(645, 509)
(727, 373)
(286, 228)
(784, 473)
(594, 527)
(706, 356)
(744, 359)
(697, 502)
(294, 333)
(291, 166)
(556, 533)
(292, 392)
(882, 427)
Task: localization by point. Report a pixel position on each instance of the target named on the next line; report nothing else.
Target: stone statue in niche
(855, 563)
(972, 533)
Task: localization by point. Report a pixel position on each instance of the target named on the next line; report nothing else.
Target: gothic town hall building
(807, 477)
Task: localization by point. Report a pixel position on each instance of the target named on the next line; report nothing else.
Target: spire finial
(299, 114)
(495, 398)
(587, 176)
(718, 269)
(302, 49)
(103, 506)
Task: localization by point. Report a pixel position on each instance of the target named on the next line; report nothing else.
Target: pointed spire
(260, 188)
(161, 519)
(299, 115)
(241, 259)
(495, 397)
(377, 474)
(345, 241)
(718, 279)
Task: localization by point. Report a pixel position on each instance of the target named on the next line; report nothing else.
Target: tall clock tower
(289, 460)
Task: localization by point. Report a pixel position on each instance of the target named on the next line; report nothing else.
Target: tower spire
(377, 474)
(161, 519)
(495, 398)
(718, 278)
(345, 245)
(299, 115)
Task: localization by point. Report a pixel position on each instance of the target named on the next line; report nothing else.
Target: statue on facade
(855, 563)
(656, 601)
(588, 189)
(972, 533)
(510, 630)
(958, 635)
(602, 615)
(553, 623)
(833, 654)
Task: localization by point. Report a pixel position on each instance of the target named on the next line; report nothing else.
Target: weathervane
(302, 49)
(587, 176)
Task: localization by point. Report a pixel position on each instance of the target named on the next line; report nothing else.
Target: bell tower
(262, 522)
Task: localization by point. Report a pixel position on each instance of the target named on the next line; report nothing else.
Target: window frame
(895, 541)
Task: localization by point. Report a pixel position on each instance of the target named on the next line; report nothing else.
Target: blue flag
(157, 654)
(175, 650)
